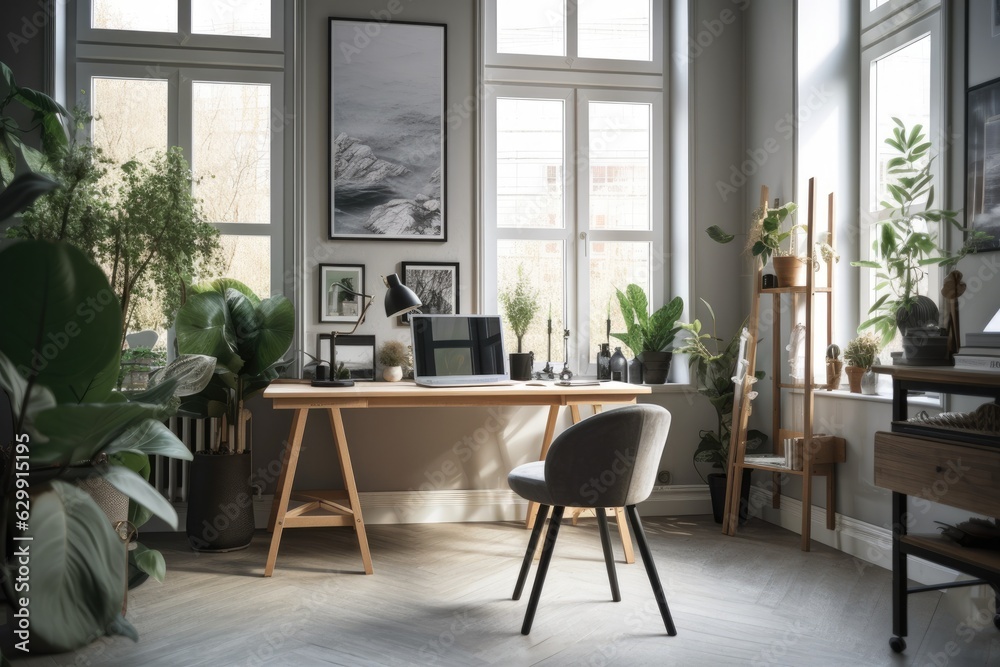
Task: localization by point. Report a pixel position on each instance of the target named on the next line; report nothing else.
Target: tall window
(220, 100)
(574, 163)
(901, 77)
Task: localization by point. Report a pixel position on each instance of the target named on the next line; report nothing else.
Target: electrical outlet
(663, 477)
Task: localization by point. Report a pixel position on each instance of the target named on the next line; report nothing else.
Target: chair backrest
(608, 460)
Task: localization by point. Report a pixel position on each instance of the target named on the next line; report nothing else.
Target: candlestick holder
(566, 373)
(548, 372)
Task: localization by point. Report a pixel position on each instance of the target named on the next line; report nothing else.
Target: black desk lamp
(399, 299)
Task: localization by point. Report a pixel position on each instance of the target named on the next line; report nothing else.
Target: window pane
(159, 16)
(130, 117)
(529, 163)
(248, 259)
(618, 30)
(614, 264)
(902, 88)
(247, 18)
(232, 150)
(543, 264)
(619, 166)
(535, 27)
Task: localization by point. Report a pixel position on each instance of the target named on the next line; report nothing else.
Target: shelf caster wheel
(996, 621)
(897, 644)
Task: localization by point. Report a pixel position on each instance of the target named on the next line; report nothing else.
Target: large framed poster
(387, 130)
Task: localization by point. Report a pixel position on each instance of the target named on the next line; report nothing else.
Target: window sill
(927, 401)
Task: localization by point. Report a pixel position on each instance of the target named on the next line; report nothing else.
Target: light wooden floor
(440, 595)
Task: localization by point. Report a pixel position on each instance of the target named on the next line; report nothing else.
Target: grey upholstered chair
(608, 460)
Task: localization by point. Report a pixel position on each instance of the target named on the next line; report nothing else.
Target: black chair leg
(543, 568)
(647, 560)
(609, 556)
(536, 531)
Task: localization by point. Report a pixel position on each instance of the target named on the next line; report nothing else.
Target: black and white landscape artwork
(983, 166)
(387, 94)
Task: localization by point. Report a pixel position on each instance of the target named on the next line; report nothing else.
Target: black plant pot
(655, 366)
(220, 502)
(717, 490)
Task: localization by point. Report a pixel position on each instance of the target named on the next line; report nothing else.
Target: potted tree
(860, 357)
(147, 231)
(713, 365)
(649, 336)
(248, 337)
(905, 245)
(520, 304)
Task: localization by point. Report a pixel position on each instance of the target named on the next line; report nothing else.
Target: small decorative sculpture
(952, 290)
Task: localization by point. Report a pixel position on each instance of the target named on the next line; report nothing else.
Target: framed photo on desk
(357, 353)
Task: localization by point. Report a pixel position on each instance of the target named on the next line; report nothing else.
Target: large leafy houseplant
(645, 332)
(58, 364)
(713, 362)
(905, 244)
(48, 118)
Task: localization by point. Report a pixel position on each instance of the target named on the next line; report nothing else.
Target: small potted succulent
(860, 356)
(392, 356)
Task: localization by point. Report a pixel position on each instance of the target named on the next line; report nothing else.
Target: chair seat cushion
(528, 481)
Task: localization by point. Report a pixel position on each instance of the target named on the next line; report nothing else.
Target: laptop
(458, 350)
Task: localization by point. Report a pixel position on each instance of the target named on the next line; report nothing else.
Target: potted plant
(860, 356)
(905, 245)
(520, 304)
(248, 337)
(713, 365)
(649, 336)
(148, 231)
(68, 421)
(392, 356)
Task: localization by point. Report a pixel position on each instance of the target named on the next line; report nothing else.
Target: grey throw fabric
(608, 460)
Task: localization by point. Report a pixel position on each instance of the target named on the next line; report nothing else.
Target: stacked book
(981, 352)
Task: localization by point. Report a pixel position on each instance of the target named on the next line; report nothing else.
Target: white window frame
(577, 82)
(183, 37)
(202, 58)
(928, 25)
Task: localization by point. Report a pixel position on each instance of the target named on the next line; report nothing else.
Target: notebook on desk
(458, 350)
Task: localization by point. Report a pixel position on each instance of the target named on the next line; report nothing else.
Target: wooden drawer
(963, 476)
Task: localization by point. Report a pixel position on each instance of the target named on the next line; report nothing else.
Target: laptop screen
(458, 349)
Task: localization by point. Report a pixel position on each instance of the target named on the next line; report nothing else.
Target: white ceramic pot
(392, 373)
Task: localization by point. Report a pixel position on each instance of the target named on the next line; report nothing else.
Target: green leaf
(150, 561)
(68, 324)
(275, 331)
(188, 373)
(150, 437)
(139, 490)
(77, 569)
(716, 234)
(243, 319)
(204, 327)
(16, 386)
(220, 285)
(78, 433)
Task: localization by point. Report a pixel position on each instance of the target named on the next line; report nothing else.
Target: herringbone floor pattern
(440, 595)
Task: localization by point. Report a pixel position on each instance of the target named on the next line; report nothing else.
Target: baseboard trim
(867, 543)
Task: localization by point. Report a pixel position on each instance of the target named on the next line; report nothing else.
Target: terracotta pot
(791, 271)
(854, 374)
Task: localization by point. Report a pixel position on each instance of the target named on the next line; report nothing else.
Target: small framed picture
(336, 284)
(356, 353)
(436, 283)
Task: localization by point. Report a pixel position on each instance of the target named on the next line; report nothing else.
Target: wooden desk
(342, 508)
(949, 466)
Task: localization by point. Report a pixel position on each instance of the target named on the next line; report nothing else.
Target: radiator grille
(169, 476)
